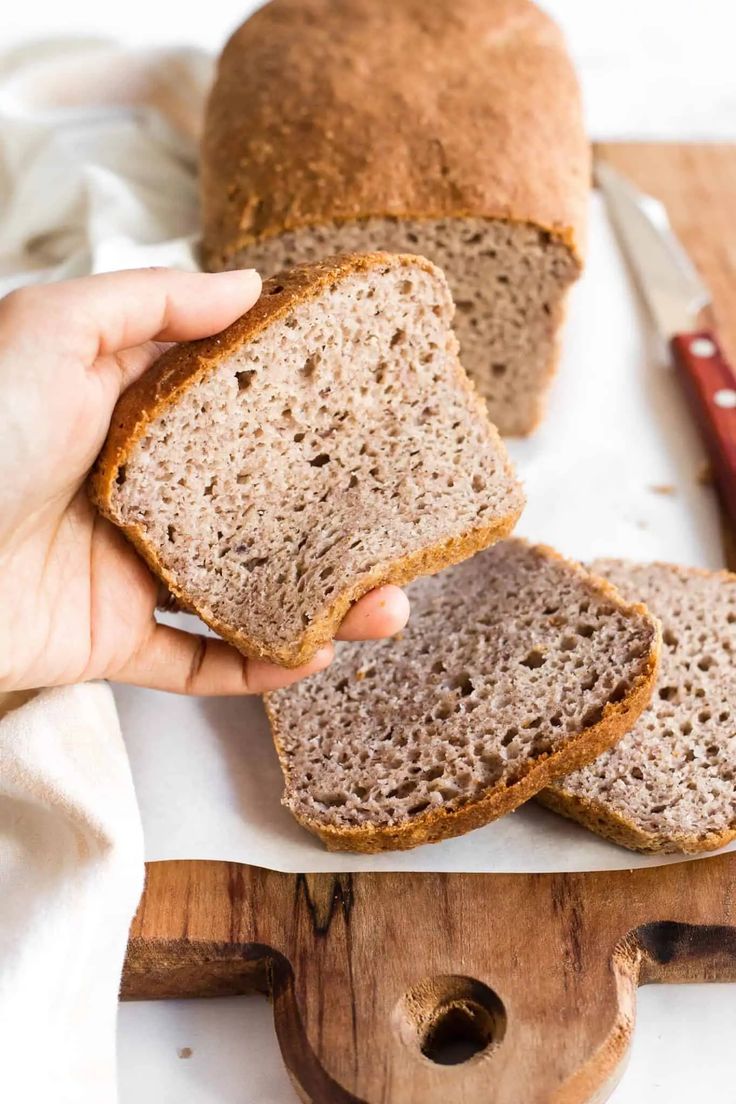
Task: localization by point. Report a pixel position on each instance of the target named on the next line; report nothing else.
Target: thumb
(67, 350)
(94, 316)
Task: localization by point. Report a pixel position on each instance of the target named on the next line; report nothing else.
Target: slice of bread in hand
(516, 667)
(327, 442)
(669, 785)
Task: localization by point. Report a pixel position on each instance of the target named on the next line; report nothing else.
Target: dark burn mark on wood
(323, 894)
(669, 941)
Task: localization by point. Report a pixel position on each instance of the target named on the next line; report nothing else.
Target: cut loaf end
(515, 665)
(670, 784)
(326, 443)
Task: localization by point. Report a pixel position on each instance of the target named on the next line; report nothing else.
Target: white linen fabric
(71, 874)
(98, 153)
(97, 158)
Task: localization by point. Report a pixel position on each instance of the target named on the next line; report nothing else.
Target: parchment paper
(613, 470)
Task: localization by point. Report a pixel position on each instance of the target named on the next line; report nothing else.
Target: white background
(650, 68)
(663, 68)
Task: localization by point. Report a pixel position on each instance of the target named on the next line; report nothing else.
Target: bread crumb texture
(670, 784)
(513, 663)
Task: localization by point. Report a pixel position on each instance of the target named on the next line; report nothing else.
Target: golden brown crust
(438, 824)
(605, 822)
(329, 111)
(183, 365)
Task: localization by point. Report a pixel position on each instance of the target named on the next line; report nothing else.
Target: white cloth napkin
(98, 149)
(71, 874)
(97, 157)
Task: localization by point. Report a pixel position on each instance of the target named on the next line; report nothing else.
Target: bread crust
(434, 825)
(609, 824)
(327, 111)
(182, 366)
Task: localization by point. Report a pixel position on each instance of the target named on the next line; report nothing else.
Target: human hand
(76, 601)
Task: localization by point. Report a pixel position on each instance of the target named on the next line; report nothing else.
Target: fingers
(185, 663)
(98, 315)
(381, 612)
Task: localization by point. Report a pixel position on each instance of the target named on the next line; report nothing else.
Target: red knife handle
(710, 386)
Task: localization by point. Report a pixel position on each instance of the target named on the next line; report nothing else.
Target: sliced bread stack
(670, 783)
(326, 443)
(517, 667)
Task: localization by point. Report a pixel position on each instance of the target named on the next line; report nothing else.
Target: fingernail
(249, 272)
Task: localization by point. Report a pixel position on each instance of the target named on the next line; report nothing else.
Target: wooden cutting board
(423, 988)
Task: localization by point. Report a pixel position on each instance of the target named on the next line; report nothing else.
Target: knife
(675, 295)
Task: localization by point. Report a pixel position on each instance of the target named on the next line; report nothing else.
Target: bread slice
(327, 442)
(516, 665)
(669, 784)
(452, 128)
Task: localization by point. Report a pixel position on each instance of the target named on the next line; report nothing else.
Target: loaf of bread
(669, 785)
(326, 443)
(451, 128)
(515, 665)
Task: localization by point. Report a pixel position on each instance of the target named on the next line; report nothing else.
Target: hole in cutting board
(458, 1033)
(450, 1019)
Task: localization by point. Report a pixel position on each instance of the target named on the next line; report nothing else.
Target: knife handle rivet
(725, 398)
(702, 347)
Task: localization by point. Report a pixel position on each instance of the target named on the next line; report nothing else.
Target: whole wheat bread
(327, 442)
(669, 784)
(515, 665)
(452, 129)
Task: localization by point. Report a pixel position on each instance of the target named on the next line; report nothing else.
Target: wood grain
(367, 972)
